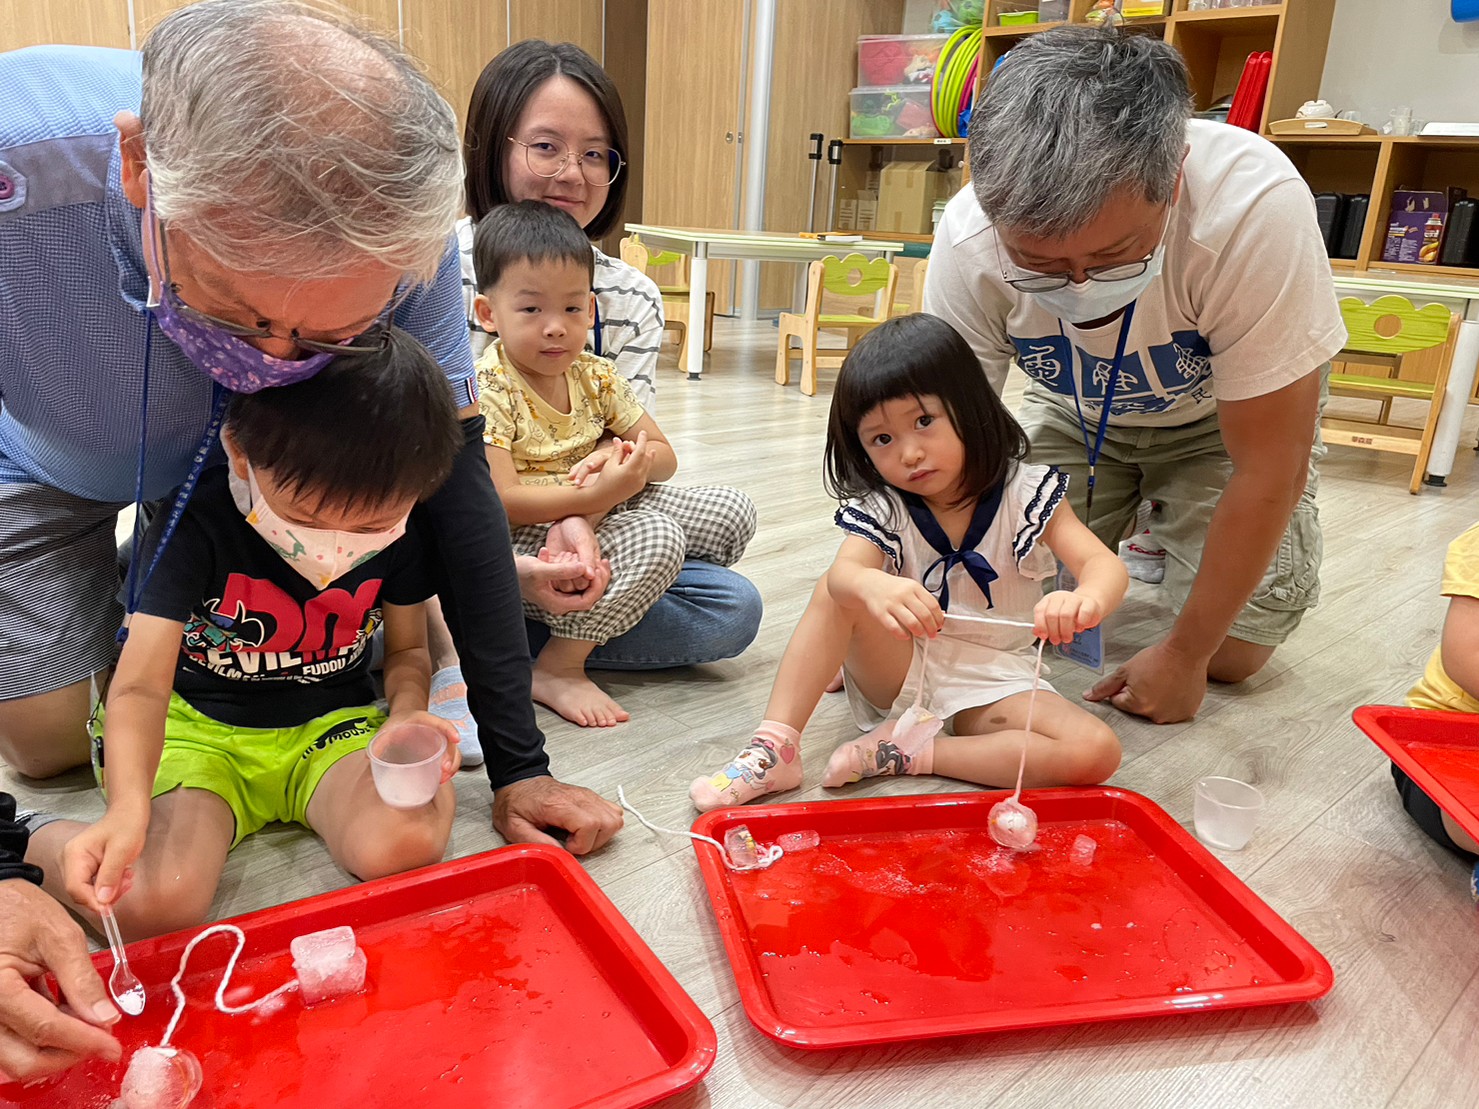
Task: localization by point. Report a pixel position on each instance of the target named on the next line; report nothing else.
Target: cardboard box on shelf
(867, 210)
(1416, 224)
(905, 196)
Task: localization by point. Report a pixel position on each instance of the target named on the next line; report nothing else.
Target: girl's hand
(904, 608)
(97, 865)
(452, 761)
(1061, 615)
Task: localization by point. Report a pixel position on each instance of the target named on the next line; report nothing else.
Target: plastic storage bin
(1144, 9)
(898, 59)
(892, 112)
(1052, 11)
(1016, 13)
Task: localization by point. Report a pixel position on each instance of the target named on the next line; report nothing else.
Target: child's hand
(452, 761)
(1061, 615)
(904, 608)
(584, 472)
(97, 865)
(626, 475)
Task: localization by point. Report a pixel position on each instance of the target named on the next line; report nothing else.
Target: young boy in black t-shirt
(243, 694)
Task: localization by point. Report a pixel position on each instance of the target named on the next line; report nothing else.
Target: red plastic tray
(504, 979)
(1438, 750)
(909, 922)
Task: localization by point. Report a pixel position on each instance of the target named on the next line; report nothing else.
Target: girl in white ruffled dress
(941, 518)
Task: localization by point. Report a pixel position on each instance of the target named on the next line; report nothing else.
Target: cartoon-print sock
(449, 701)
(874, 754)
(769, 764)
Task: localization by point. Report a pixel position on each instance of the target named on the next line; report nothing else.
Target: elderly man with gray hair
(1162, 282)
(268, 183)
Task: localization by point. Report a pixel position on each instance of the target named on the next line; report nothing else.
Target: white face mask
(1081, 301)
(319, 555)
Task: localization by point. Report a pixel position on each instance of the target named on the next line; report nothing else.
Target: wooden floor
(1335, 855)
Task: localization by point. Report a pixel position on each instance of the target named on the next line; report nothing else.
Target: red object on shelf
(1438, 750)
(504, 979)
(909, 922)
(1247, 106)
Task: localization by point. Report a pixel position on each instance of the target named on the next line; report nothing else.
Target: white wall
(1385, 53)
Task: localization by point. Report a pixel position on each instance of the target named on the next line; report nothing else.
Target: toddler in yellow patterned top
(574, 455)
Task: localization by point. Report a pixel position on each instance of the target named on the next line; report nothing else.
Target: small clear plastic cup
(406, 761)
(1225, 812)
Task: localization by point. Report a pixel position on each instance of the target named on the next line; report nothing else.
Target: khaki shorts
(1184, 470)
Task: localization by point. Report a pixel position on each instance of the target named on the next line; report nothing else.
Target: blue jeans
(709, 613)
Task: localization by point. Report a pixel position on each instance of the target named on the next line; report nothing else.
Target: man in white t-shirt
(1104, 227)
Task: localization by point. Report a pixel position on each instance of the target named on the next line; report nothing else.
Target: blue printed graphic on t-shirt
(1179, 369)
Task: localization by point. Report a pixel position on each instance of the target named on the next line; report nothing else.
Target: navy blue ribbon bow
(966, 555)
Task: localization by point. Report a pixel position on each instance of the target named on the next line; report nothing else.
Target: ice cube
(1081, 853)
(328, 964)
(915, 728)
(161, 1078)
(792, 842)
(741, 848)
(1012, 824)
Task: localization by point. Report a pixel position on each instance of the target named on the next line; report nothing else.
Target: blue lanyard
(597, 343)
(135, 587)
(1093, 449)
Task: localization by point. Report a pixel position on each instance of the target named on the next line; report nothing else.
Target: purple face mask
(227, 359)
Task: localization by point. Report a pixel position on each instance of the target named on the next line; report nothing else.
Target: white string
(766, 856)
(1027, 730)
(229, 1010)
(989, 620)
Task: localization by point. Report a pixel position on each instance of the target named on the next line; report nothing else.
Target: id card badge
(1087, 647)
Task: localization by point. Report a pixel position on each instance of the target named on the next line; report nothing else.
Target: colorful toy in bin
(895, 112)
(898, 59)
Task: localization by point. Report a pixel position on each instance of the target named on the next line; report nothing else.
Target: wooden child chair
(636, 255)
(1375, 365)
(862, 289)
(915, 303)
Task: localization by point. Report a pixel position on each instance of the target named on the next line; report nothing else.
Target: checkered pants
(647, 539)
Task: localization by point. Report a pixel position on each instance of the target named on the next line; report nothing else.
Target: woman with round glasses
(546, 123)
(1162, 282)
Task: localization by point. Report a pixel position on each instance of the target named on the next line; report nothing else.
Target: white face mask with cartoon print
(320, 555)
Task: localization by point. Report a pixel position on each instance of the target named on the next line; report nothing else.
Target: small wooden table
(1459, 296)
(701, 244)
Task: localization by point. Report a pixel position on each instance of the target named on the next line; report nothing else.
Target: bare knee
(159, 907)
(46, 735)
(1238, 660)
(403, 845)
(39, 752)
(1096, 753)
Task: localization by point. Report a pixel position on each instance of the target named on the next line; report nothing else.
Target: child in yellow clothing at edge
(575, 457)
(1449, 684)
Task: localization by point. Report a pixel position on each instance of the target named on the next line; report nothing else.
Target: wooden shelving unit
(1216, 44)
(1379, 165)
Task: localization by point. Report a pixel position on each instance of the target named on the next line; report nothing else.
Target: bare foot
(574, 696)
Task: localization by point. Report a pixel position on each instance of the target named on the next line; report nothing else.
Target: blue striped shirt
(73, 287)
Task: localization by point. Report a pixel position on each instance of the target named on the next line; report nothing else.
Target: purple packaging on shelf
(1415, 227)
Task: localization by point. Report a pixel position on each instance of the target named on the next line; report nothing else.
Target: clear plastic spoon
(123, 984)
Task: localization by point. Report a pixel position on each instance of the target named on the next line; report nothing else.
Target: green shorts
(263, 774)
(1184, 470)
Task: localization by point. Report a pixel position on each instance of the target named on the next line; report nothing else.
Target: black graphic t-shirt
(262, 647)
